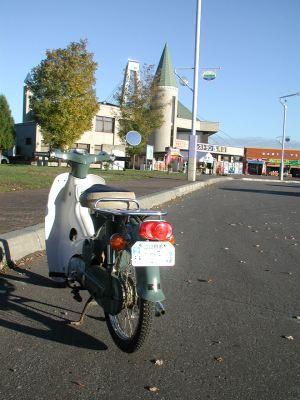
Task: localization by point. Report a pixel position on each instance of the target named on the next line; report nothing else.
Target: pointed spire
(165, 72)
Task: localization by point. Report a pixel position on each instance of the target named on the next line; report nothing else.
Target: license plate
(153, 254)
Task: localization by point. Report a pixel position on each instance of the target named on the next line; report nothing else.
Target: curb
(18, 244)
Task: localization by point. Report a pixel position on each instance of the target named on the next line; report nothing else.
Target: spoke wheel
(130, 328)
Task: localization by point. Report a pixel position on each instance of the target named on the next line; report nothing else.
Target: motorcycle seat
(97, 192)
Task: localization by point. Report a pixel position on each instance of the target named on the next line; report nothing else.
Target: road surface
(230, 330)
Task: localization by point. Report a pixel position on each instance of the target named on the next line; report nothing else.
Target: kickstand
(80, 321)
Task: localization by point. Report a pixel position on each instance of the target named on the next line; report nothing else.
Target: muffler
(159, 309)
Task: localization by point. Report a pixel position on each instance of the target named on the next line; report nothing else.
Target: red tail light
(156, 230)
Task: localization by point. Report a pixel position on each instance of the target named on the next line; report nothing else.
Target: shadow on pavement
(58, 331)
(280, 193)
(28, 276)
(294, 186)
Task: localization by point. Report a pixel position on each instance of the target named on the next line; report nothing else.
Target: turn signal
(117, 242)
(172, 239)
(156, 230)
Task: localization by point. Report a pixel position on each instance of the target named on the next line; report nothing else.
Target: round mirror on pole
(133, 138)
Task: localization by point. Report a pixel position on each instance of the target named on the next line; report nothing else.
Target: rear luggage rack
(135, 212)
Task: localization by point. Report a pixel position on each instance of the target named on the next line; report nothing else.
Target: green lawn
(23, 177)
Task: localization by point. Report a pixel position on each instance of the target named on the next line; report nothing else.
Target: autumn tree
(141, 108)
(7, 131)
(63, 98)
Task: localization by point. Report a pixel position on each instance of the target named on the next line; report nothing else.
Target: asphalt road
(231, 303)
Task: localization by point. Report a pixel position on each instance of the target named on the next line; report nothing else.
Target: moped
(99, 239)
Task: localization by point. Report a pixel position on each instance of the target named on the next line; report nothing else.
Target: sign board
(211, 148)
(182, 144)
(292, 163)
(209, 75)
(149, 152)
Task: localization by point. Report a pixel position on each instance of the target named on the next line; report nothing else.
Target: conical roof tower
(165, 135)
(165, 72)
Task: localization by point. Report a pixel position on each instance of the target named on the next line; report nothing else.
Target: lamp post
(193, 137)
(284, 104)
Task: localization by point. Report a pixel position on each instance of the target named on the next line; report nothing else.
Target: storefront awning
(205, 157)
(255, 162)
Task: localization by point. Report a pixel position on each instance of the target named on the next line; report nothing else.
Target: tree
(143, 109)
(7, 131)
(63, 98)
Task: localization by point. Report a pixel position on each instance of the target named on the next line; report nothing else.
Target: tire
(3, 162)
(131, 342)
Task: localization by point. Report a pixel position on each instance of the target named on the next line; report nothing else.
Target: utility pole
(193, 137)
(284, 104)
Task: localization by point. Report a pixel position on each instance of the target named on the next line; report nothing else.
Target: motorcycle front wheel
(131, 327)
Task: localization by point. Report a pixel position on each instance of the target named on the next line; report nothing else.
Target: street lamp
(284, 104)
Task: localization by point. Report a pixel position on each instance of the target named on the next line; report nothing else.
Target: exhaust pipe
(159, 309)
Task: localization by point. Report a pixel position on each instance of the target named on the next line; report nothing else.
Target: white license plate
(153, 254)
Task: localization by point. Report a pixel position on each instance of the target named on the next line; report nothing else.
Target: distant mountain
(227, 140)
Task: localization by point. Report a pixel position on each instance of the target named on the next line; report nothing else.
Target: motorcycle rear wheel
(132, 338)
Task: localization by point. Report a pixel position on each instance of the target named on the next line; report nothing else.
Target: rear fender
(148, 279)
(148, 283)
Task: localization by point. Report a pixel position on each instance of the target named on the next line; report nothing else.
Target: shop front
(215, 159)
(263, 161)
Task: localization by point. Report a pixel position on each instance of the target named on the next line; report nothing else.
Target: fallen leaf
(219, 359)
(213, 342)
(209, 280)
(78, 383)
(287, 337)
(152, 389)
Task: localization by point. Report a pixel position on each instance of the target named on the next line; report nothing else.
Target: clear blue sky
(257, 44)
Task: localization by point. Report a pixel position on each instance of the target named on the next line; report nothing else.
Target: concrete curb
(18, 244)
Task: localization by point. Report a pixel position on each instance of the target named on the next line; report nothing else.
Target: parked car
(4, 160)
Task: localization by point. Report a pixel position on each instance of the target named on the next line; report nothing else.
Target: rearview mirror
(133, 138)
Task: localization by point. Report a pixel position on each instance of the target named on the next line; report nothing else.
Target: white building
(104, 132)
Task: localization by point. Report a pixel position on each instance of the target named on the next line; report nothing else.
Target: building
(104, 132)
(266, 161)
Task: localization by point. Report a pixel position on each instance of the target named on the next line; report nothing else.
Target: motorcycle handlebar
(81, 157)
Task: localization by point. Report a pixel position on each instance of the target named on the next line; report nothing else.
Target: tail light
(156, 230)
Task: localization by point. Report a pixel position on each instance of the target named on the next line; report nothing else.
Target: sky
(256, 44)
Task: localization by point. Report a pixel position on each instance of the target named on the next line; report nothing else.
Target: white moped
(99, 239)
